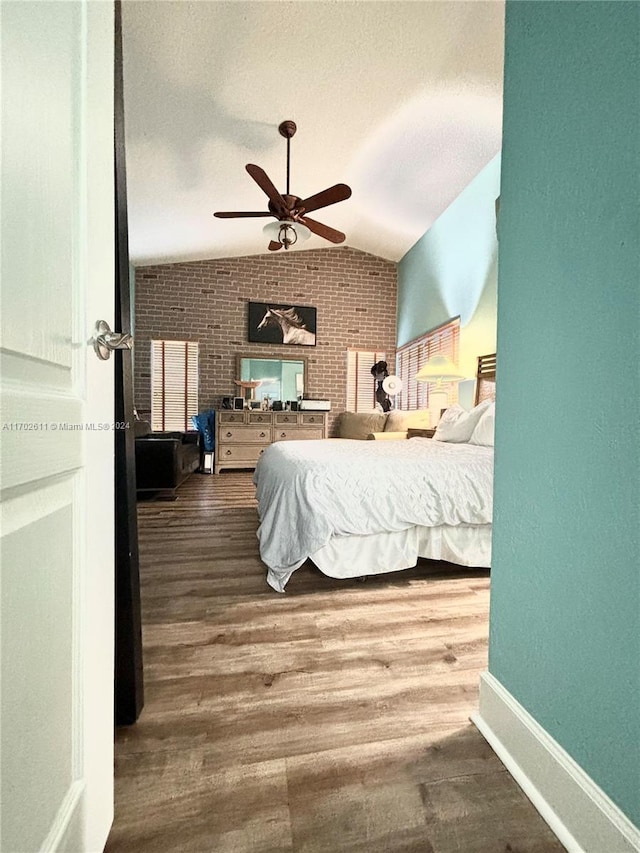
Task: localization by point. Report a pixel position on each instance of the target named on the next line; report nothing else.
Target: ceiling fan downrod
(287, 129)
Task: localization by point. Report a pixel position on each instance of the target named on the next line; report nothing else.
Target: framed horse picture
(282, 324)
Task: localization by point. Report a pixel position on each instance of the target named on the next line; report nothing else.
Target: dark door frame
(129, 685)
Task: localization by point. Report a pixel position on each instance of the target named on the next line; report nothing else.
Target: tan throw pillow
(399, 421)
(359, 424)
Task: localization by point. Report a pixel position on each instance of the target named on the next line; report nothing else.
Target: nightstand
(420, 433)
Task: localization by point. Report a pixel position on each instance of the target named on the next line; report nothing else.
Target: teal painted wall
(565, 605)
(452, 270)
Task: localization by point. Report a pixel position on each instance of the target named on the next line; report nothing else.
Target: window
(443, 340)
(174, 384)
(361, 386)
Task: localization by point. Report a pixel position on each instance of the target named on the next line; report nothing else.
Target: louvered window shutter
(174, 385)
(361, 386)
(443, 340)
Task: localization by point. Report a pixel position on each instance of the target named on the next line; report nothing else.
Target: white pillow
(483, 433)
(457, 424)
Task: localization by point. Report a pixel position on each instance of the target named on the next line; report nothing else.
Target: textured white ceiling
(400, 100)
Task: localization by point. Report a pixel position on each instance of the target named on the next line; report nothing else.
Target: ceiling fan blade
(274, 246)
(336, 193)
(323, 230)
(226, 214)
(264, 182)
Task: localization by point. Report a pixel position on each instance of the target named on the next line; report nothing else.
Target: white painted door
(57, 456)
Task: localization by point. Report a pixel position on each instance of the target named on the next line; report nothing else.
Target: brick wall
(206, 301)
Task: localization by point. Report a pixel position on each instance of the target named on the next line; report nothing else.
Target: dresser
(242, 436)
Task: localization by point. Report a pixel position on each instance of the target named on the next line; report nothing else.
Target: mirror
(280, 378)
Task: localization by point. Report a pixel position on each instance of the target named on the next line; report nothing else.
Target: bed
(365, 507)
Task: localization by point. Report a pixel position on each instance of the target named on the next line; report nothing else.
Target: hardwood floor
(332, 718)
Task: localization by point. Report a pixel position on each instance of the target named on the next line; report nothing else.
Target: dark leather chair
(164, 460)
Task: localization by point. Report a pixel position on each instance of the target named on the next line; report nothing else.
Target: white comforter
(311, 491)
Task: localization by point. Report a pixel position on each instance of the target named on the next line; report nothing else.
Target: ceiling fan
(289, 210)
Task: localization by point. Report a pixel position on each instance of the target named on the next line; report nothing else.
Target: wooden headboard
(485, 378)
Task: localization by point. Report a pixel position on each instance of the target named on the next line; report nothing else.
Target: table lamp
(437, 370)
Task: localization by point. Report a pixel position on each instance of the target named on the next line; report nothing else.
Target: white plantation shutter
(174, 384)
(443, 340)
(361, 386)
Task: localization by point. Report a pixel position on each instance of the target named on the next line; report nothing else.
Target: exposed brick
(207, 301)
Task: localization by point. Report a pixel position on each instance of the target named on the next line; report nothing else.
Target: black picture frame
(277, 323)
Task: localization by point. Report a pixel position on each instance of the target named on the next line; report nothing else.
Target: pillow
(359, 425)
(483, 432)
(399, 421)
(457, 424)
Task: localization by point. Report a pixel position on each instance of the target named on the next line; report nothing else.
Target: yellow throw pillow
(399, 421)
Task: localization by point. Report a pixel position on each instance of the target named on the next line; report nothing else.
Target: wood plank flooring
(330, 719)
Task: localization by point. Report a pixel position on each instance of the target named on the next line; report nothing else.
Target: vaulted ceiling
(400, 100)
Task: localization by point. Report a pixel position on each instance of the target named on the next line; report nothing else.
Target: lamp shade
(392, 385)
(274, 232)
(439, 369)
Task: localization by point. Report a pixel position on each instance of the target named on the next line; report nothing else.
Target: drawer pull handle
(229, 434)
(312, 420)
(283, 435)
(263, 435)
(286, 419)
(260, 418)
(228, 453)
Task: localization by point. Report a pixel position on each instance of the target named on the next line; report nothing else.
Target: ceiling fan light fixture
(287, 232)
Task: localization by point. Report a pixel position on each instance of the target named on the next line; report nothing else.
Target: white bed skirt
(355, 556)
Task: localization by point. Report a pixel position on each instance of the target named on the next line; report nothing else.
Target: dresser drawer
(246, 453)
(260, 418)
(231, 417)
(296, 433)
(308, 418)
(243, 434)
(285, 418)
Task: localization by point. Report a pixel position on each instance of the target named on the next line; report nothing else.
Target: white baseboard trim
(65, 830)
(581, 815)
